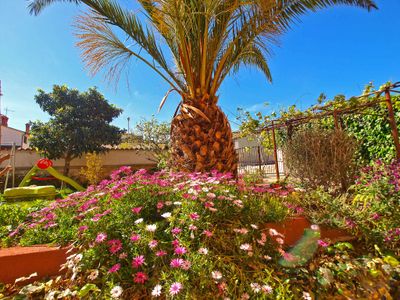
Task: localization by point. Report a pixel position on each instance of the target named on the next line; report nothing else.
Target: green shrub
(13, 214)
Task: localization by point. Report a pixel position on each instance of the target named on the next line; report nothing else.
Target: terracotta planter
(293, 228)
(16, 262)
(19, 262)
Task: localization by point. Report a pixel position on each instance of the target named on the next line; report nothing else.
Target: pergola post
(392, 122)
(275, 152)
(335, 118)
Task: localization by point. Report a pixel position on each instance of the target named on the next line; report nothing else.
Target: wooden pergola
(329, 110)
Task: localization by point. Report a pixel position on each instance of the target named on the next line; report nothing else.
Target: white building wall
(11, 135)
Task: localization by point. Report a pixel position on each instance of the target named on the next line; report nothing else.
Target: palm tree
(208, 40)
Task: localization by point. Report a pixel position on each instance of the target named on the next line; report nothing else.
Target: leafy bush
(94, 168)
(320, 157)
(338, 271)
(373, 133)
(379, 182)
(371, 211)
(12, 214)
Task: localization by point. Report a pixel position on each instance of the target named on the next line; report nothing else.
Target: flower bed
(179, 236)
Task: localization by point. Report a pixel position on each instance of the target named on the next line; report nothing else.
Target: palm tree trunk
(200, 145)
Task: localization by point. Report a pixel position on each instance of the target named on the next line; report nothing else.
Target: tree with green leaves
(208, 40)
(155, 135)
(79, 123)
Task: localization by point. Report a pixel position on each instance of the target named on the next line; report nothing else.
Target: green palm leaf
(208, 39)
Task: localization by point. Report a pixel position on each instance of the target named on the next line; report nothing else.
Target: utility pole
(129, 120)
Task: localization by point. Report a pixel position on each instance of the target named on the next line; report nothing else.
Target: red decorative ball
(44, 163)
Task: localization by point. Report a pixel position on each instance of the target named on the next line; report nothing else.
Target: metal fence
(257, 159)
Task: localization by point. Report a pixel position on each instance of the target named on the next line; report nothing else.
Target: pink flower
(211, 195)
(241, 230)
(135, 237)
(136, 210)
(266, 289)
(175, 288)
(114, 268)
(350, 223)
(208, 204)
(192, 227)
(217, 275)
(175, 243)
(101, 237)
(375, 216)
(137, 261)
(186, 265)
(207, 233)
(194, 216)
(160, 205)
(115, 246)
(176, 262)
(161, 253)
(123, 255)
(83, 228)
(176, 231)
(323, 243)
(180, 250)
(153, 244)
(140, 277)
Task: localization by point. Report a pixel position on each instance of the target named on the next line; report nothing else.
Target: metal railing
(258, 160)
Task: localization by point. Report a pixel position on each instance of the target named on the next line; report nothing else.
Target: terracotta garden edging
(293, 228)
(16, 262)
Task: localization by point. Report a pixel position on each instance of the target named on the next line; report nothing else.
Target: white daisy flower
(116, 292)
(138, 221)
(151, 228)
(166, 215)
(156, 292)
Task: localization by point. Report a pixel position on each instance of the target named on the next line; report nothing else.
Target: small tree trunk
(67, 165)
(199, 145)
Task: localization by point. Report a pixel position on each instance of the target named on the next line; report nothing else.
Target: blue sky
(337, 50)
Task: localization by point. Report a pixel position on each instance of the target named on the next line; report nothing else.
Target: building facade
(10, 136)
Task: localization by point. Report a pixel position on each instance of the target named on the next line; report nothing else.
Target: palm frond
(36, 6)
(266, 20)
(102, 49)
(208, 39)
